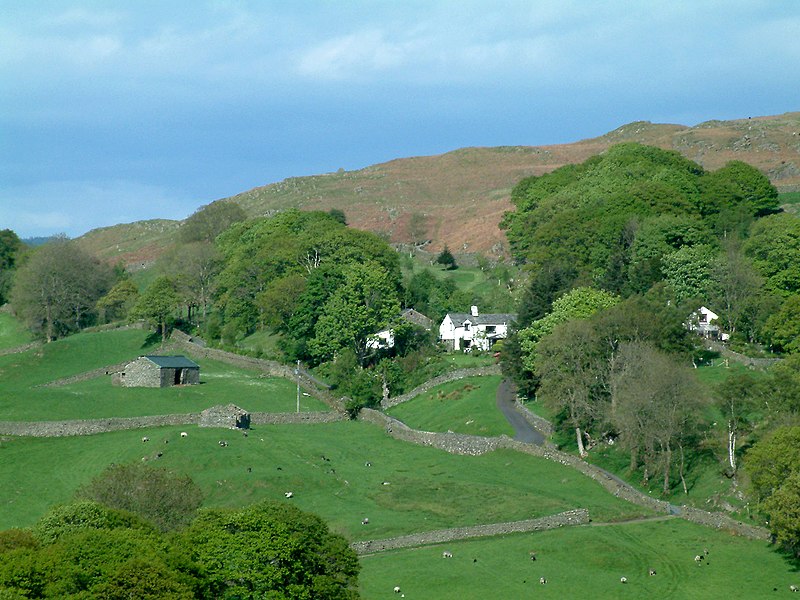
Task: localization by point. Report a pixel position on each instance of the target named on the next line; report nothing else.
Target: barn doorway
(180, 376)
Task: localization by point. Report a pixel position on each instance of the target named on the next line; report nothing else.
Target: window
(491, 328)
(467, 326)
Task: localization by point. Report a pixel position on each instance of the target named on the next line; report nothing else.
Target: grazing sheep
(623, 580)
(159, 455)
(367, 464)
(145, 439)
(651, 572)
(365, 521)
(397, 589)
(542, 580)
(698, 559)
(532, 555)
(705, 551)
(288, 494)
(386, 483)
(447, 554)
(166, 441)
(223, 444)
(249, 469)
(793, 588)
(184, 434)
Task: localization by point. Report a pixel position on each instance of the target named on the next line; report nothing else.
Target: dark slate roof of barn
(173, 362)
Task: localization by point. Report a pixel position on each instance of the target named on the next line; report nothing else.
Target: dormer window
(467, 325)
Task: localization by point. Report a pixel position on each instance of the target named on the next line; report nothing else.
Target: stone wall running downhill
(108, 370)
(540, 424)
(571, 517)
(20, 349)
(444, 378)
(476, 445)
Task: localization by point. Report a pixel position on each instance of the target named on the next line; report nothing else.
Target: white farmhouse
(702, 322)
(465, 331)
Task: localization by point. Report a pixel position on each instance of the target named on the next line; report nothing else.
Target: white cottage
(465, 331)
(702, 322)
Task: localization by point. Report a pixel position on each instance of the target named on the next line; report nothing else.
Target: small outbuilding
(230, 416)
(159, 371)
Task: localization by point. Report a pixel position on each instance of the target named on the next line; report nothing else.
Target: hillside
(459, 197)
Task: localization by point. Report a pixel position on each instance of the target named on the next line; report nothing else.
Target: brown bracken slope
(458, 198)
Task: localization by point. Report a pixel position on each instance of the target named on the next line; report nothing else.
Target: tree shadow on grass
(152, 339)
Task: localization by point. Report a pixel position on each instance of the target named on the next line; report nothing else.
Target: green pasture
(587, 562)
(405, 488)
(467, 360)
(463, 406)
(70, 356)
(12, 332)
(24, 399)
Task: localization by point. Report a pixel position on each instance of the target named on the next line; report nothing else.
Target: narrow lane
(523, 431)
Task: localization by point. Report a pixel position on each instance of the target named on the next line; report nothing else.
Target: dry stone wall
(538, 423)
(569, 518)
(93, 426)
(475, 445)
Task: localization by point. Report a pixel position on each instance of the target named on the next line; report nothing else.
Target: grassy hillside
(12, 332)
(324, 466)
(586, 562)
(460, 197)
(464, 406)
(24, 397)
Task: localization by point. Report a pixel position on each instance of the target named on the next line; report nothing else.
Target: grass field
(464, 406)
(12, 332)
(405, 489)
(587, 562)
(324, 466)
(23, 400)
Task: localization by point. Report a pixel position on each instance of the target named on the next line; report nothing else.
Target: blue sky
(116, 111)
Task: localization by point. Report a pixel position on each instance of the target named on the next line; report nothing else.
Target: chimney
(474, 311)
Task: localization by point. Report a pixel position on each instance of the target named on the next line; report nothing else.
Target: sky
(118, 111)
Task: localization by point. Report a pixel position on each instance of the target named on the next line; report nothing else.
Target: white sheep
(447, 554)
(793, 588)
(145, 439)
(623, 580)
(698, 559)
(365, 521)
(542, 580)
(184, 434)
(651, 572)
(397, 589)
(288, 494)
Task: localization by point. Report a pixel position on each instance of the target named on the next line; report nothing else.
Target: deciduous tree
(57, 288)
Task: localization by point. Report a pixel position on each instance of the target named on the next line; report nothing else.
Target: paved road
(523, 431)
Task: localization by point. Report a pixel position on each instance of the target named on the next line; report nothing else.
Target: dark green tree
(10, 247)
(271, 550)
(57, 287)
(166, 499)
(118, 302)
(774, 467)
(158, 304)
(446, 259)
(207, 222)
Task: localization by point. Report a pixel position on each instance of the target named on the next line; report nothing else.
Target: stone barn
(159, 371)
(230, 416)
